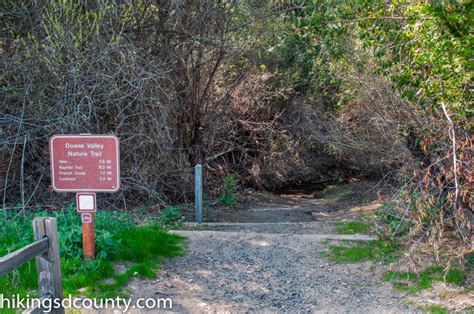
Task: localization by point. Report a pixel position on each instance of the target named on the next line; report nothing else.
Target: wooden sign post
(86, 206)
(85, 164)
(88, 239)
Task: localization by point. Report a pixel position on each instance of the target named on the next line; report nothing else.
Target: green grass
(436, 309)
(118, 240)
(395, 275)
(352, 227)
(413, 283)
(357, 252)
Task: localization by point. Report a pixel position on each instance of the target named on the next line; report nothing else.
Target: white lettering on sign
(95, 146)
(69, 145)
(77, 154)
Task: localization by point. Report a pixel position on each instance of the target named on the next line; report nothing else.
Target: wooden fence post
(48, 264)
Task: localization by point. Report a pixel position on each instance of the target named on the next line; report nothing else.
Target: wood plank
(43, 266)
(47, 264)
(23, 255)
(33, 311)
(88, 241)
(52, 234)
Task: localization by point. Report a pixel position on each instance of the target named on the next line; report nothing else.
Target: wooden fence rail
(46, 251)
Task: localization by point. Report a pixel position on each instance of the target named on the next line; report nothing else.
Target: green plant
(392, 216)
(145, 243)
(352, 227)
(470, 259)
(118, 239)
(229, 190)
(455, 276)
(395, 275)
(437, 309)
(422, 51)
(170, 215)
(376, 250)
(413, 283)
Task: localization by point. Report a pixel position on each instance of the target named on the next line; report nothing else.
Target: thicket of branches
(277, 92)
(398, 74)
(176, 81)
(141, 70)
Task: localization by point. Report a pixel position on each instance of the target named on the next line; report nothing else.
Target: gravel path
(265, 255)
(240, 269)
(307, 227)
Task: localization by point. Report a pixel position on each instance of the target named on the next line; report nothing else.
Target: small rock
(237, 297)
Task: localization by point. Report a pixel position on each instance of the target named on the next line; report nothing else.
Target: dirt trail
(270, 261)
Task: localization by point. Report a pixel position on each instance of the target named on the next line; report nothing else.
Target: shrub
(393, 217)
(170, 215)
(229, 190)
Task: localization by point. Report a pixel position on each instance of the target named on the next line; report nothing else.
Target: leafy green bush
(470, 259)
(170, 215)
(229, 190)
(423, 50)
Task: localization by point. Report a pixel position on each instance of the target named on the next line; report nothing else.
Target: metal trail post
(198, 192)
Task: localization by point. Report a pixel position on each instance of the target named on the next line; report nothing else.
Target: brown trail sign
(85, 164)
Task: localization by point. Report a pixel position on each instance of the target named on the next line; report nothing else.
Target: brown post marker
(88, 242)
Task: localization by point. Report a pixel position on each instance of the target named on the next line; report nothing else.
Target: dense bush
(417, 124)
(90, 67)
(170, 215)
(277, 92)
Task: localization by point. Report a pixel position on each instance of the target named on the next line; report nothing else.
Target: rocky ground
(248, 271)
(266, 256)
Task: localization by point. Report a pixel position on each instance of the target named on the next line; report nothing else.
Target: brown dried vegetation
(172, 82)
